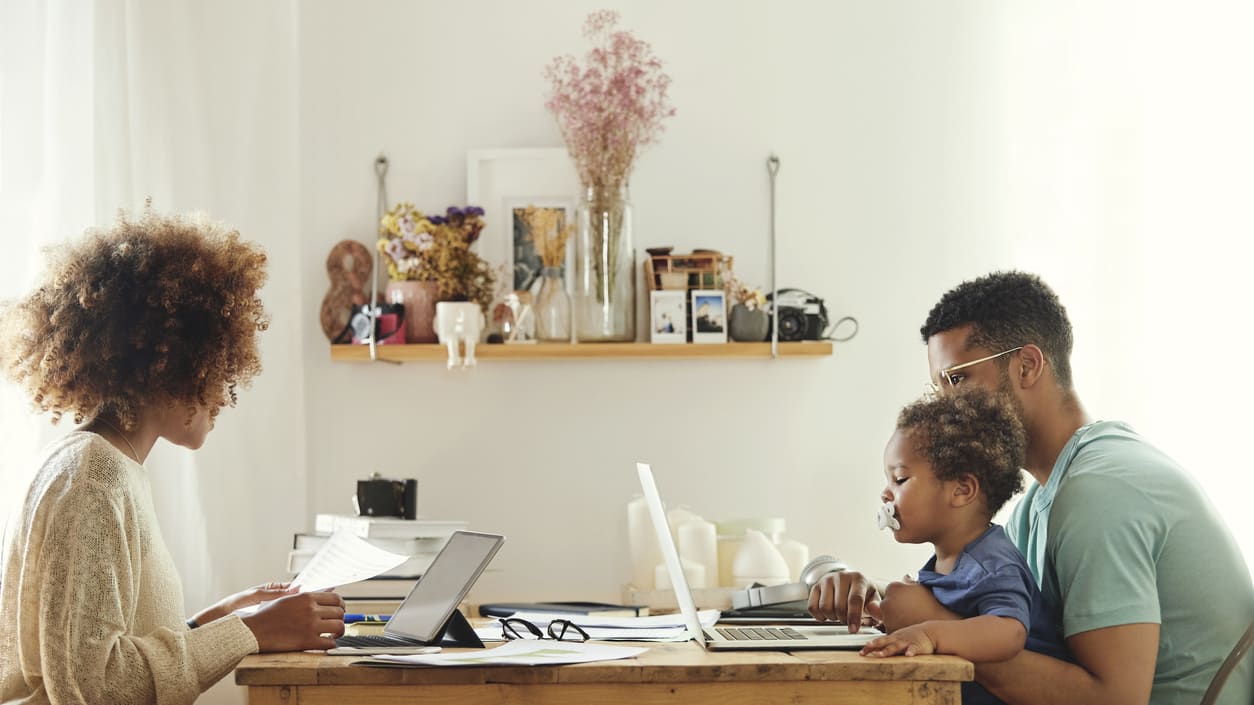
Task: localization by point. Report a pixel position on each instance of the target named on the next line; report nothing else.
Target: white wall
(544, 452)
(921, 144)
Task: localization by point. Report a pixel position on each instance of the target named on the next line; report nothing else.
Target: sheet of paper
(666, 627)
(493, 633)
(531, 652)
(343, 559)
(661, 621)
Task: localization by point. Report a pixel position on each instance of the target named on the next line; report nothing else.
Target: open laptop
(758, 638)
(430, 608)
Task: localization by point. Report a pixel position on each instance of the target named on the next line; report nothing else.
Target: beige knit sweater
(91, 606)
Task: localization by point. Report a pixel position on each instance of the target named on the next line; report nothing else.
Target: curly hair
(970, 431)
(1007, 309)
(155, 308)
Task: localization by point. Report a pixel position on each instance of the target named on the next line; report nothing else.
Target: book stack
(420, 539)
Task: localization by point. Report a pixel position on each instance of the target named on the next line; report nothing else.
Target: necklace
(118, 431)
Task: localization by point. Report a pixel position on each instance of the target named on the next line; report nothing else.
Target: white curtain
(46, 186)
(1128, 130)
(102, 104)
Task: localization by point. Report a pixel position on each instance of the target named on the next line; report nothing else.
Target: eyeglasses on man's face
(558, 630)
(950, 377)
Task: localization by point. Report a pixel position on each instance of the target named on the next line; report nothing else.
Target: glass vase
(552, 307)
(605, 267)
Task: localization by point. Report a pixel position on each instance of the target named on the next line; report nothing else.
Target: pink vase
(418, 298)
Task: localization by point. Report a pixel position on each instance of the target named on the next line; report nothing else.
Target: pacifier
(885, 519)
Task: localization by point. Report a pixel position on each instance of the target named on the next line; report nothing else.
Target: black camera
(382, 497)
(802, 315)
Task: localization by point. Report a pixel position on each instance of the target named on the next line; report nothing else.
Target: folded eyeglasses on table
(558, 630)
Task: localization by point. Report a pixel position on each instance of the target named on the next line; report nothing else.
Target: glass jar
(552, 307)
(605, 267)
(418, 298)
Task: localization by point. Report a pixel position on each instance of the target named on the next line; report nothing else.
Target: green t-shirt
(1121, 534)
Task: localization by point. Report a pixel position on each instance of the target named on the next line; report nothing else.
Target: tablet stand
(457, 632)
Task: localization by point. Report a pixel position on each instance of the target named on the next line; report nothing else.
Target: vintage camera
(802, 315)
(389, 324)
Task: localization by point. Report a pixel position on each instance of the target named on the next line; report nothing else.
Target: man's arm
(1115, 666)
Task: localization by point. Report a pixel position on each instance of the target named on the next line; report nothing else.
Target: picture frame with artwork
(504, 181)
(526, 266)
(668, 316)
(709, 316)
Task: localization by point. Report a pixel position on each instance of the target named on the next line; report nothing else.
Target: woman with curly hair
(139, 332)
(951, 464)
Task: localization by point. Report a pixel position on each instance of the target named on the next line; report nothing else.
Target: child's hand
(910, 641)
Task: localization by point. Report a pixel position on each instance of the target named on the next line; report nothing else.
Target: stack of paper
(386, 527)
(664, 627)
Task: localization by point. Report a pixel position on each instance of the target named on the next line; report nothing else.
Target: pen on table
(349, 618)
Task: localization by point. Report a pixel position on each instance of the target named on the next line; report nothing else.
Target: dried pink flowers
(612, 106)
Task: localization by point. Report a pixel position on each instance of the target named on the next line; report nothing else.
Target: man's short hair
(1006, 310)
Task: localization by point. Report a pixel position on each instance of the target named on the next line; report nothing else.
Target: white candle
(693, 572)
(698, 543)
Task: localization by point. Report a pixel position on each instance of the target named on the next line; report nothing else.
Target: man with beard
(1124, 544)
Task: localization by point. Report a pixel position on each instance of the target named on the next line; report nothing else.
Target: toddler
(952, 462)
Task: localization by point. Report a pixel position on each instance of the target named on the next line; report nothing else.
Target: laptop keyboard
(760, 633)
(375, 641)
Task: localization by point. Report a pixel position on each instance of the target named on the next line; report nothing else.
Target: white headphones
(788, 592)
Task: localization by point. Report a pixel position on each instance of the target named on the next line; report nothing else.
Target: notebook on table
(758, 638)
(428, 615)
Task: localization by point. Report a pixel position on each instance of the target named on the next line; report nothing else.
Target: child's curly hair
(970, 431)
(157, 307)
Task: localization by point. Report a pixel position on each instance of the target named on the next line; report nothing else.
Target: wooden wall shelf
(604, 351)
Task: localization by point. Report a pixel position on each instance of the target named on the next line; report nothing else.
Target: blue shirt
(1121, 534)
(990, 577)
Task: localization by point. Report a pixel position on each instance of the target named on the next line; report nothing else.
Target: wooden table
(667, 673)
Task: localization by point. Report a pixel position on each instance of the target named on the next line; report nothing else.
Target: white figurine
(459, 321)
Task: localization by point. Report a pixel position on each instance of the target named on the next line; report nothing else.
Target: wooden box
(699, 270)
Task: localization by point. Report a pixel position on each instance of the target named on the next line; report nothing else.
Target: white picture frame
(709, 316)
(501, 180)
(668, 316)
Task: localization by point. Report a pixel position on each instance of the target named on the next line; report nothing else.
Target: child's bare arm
(979, 639)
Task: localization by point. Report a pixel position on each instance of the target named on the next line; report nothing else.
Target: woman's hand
(911, 641)
(244, 598)
(298, 622)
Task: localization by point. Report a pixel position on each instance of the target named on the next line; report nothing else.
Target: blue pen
(350, 618)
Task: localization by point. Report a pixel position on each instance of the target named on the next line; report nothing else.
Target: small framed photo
(526, 257)
(709, 316)
(668, 317)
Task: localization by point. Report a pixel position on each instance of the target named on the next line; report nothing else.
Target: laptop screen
(444, 585)
(670, 555)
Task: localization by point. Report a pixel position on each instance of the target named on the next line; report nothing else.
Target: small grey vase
(748, 326)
